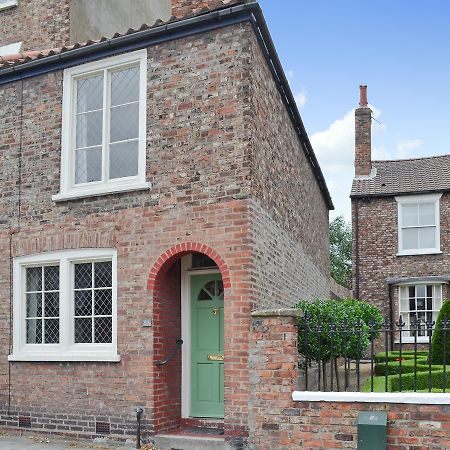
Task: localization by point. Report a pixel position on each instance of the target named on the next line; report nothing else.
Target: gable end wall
(289, 214)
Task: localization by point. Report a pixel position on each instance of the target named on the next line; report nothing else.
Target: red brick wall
(278, 423)
(289, 216)
(201, 162)
(166, 330)
(182, 8)
(378, 247)
(200, 194)
(46, 24)
(38, 24)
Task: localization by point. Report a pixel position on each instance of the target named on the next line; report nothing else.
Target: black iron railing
(355, 356)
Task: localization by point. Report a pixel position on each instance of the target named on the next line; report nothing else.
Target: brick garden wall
(278, 423)
(378, 247)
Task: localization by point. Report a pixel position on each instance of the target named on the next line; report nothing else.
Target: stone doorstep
(188, 442)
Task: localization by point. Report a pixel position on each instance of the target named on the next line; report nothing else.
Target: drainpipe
(139, 412)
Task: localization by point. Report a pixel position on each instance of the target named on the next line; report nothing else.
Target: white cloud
(404, 148)
(301, 98)
(289, 74)
(380, 153)
(334, 148)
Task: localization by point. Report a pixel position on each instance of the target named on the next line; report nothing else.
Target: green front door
(207, 346)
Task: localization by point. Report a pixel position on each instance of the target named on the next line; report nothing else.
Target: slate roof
(405, 176)
(24, 57)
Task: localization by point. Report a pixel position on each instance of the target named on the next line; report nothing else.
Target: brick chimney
(182, 8)
(363, 135)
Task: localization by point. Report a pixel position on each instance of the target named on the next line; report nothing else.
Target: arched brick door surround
(164, 285)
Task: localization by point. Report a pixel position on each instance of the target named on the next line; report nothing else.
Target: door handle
(215, 358)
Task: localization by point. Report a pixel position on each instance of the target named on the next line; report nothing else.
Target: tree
(333, 329)
(341, 251)
(440, 342)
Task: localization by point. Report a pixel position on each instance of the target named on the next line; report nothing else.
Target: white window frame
(413, 199)
(67, 349)
(10, 49)
(8, 4)
(420, 339)
(68, 188)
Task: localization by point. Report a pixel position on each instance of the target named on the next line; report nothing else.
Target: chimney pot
(363, 96)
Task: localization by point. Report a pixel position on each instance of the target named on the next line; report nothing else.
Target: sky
(399, 48)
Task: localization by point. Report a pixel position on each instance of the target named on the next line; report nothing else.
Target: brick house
(154, 186)
(401, 229)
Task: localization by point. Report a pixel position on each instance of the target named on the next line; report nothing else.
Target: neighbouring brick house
(155, 185)
(401, 229)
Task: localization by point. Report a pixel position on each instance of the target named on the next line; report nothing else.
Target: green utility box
(372, 430)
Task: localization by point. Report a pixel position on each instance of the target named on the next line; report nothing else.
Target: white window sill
(410, 340)
(100, 191)
(421, 398)
(8, 4)
(64, 357)
(419, 252)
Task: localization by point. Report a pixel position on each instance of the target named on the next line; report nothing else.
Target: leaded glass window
(93, 302)
(42, 304)
(107, 125)
(68, 299)
(104, 127)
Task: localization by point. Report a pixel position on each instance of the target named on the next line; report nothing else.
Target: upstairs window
(104, 128)
(418, 224)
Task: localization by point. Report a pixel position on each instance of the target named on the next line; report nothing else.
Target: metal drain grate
(25, 421)
(102, 427)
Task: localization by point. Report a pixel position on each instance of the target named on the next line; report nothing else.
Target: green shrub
(327, 344)
(370, 314)
(437, 341)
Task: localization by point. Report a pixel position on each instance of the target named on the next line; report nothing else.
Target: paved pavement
(41, 442)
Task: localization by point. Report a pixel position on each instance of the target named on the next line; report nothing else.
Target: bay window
(419, 302)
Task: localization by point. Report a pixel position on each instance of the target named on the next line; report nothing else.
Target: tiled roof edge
(16, 59)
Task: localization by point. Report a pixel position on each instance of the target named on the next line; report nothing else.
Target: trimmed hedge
(380, 358)
(408, 369)
(437, 381)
